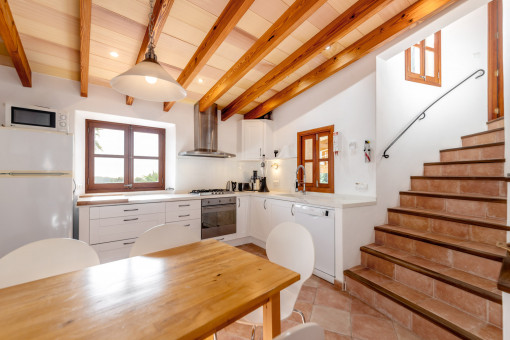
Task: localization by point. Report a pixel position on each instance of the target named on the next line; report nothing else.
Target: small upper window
(314, 153)
(423, 61)
(122, 157)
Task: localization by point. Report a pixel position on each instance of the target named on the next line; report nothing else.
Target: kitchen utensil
(229, 186)
(240, 186)
(247, 187)
(234, 186)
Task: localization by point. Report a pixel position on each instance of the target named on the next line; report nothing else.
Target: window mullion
(129, 155)
(422, 60)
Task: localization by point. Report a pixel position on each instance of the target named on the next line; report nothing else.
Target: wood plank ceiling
(50, 33)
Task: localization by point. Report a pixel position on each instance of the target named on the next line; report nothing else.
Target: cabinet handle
(126, 243)
(130, 209)
(187, 225)
(184, 215)
(183, 205)
(238, 202)
(292, 210)
(265, 204)
(131, 219)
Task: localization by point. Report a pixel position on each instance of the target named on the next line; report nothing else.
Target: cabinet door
(253, 139)
(242, 216)
(259, 218)
(280, 211)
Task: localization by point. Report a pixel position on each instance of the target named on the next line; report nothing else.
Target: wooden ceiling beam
(159, 16)
(345, 23)
(410, 17)
(225, 23)
(85, 22)
(294, 16)
(12, 41)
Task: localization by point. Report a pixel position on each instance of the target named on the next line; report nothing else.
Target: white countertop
(322, 200)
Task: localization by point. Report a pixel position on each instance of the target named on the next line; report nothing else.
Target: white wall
(345, 100)
(464, 111)
(64, 95)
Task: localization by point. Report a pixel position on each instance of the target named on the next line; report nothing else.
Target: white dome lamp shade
(148, 80)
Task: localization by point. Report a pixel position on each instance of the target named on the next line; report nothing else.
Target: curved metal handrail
(422, 114)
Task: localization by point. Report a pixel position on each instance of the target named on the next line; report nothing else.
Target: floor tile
(332, 319)
(333, 298)
(367, 327)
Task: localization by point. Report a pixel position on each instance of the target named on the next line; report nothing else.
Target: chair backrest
(155, 239)
(307, 331)
(291, 246)
(45, 258)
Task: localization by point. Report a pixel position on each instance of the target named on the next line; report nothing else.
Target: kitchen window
(423, 61)
(122, 157)
(315, 154)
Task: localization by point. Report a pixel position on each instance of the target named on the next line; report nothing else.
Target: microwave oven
(35, 117)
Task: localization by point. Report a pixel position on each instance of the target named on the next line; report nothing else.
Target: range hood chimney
(206, 134)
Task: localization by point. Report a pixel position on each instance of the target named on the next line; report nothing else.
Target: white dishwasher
(320, 222)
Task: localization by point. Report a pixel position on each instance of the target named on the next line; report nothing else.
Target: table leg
(272, 323)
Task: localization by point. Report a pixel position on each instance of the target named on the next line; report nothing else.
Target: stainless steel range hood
(206, 134)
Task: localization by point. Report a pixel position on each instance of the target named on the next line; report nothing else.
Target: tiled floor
(342, 316)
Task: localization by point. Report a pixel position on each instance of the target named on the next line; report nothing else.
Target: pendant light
(148, 80)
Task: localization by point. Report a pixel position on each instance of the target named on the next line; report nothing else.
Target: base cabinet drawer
(113, 251)
(176, 216)
(126, 210)
(123, 228)
(183, 205)
(185, 232)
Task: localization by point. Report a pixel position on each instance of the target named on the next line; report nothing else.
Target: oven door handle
(218, 208)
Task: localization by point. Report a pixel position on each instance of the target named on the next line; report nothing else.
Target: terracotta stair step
(467, 197)
(485, 137)
(484, 167)
(458, 218)
(468, 282)
(482, 185)
(486, 251)
(474, 152)
(496, 123)
(469, 204)
(439, 313)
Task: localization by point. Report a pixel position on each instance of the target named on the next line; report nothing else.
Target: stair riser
(475, 305)
(479, 169)
(490, 152)
(476, 265)
(407, 318)
(455, 206)
(458, 230)
(460, 186)
(496, 124)
(486, 138)
(394, 311)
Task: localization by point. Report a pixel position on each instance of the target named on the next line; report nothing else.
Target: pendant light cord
(150, 51)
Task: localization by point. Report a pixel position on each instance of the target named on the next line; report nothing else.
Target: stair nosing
(430, 316)
(456, 247)
(476, 161)
(474, 147)
(465, 178)
(436, 275)
(449, 217)
(466, 197)
(495, 120)
(483, 133)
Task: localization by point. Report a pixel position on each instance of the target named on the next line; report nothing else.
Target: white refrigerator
(36, 186)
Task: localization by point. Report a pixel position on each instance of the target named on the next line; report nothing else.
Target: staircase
(433, 268)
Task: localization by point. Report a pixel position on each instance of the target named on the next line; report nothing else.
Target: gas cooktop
(206, 192)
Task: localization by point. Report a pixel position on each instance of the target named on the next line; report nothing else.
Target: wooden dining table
(188, 292)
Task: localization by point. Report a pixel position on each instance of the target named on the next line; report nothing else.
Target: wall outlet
(361, 186)
(276, 181)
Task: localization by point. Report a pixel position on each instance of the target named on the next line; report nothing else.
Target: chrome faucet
(304, 179)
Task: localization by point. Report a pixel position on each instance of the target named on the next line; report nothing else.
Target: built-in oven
(218, 217)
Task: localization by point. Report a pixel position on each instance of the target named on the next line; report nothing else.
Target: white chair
(291, 246)
(155, 239)
(307, 331)
(45, 258)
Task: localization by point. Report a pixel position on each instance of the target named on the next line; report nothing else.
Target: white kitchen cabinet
(256, 139)
(280, 211)
(259, 218)
(243, 216)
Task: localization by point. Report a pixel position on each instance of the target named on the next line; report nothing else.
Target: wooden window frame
(314, 134)
(129, 130)
(422, 78)
(495, 60)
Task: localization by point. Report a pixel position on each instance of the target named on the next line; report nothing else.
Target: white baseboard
(246, 240)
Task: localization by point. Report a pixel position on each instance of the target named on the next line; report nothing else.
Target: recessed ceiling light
(114, 54)
(200, 80)
(327, 47)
